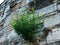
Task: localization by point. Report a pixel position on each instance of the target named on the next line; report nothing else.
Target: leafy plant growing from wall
(28, 25)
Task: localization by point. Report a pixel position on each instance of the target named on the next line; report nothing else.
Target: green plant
(27, 25)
